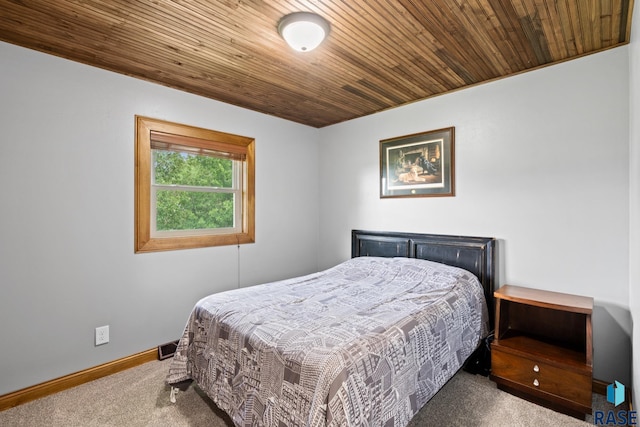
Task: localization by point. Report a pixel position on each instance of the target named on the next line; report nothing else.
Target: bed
(367, 342)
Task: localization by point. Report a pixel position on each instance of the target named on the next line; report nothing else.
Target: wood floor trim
(600, 387)
(72, 380)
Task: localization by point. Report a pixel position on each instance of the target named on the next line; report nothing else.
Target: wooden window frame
(144, 242)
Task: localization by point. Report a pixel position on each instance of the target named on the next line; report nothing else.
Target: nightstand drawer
(542, 377)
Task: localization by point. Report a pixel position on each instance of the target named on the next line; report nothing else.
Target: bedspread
(367, 342)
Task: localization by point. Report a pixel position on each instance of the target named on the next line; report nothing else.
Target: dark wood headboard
(474, 254)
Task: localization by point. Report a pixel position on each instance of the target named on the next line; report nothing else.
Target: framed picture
(418, 165)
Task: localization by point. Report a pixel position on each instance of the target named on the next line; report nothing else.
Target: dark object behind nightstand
(480, 360)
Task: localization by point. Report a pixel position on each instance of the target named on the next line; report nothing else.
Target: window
(193, 187)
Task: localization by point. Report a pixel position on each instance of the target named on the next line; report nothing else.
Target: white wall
(541, 164)
(634, 198)
(66, 216)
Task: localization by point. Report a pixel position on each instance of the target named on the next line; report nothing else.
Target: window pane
(193, 210)
(189, 169)
(194, 187)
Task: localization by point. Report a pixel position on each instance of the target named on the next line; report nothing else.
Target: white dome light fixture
(303, 31)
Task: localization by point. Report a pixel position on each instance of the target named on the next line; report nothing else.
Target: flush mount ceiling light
(303, 31)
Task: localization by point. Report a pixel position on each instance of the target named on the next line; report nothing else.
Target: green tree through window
(197, 210)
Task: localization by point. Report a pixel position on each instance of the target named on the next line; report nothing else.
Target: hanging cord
(238, 283)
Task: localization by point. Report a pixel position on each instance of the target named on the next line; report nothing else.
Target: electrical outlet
(102, 335)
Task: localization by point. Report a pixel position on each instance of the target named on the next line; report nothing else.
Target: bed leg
(172, 396)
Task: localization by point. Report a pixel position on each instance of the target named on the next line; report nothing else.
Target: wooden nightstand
(543, 348)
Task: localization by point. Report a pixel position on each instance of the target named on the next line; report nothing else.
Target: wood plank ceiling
(379, 54)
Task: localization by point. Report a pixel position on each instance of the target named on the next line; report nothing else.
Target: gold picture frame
(418, 165)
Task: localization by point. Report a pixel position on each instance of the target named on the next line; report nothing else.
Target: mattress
(367, 342)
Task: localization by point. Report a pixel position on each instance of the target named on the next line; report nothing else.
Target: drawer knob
(536, 383)
(536, 368)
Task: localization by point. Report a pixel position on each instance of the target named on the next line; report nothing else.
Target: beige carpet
(139, 397)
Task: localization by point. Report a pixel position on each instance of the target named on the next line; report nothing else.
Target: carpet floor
(139, 397)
